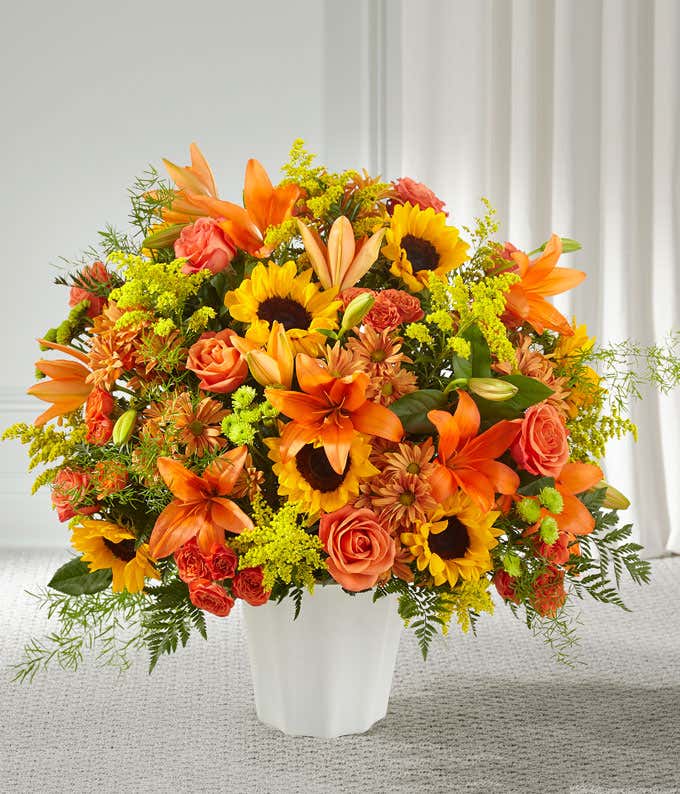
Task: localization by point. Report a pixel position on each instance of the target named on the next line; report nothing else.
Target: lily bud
(613, 498)
(125, 424)
(492, 389)
(263, 368)
(356, 310)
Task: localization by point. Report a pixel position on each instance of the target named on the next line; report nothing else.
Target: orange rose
(549, 595)
(559, 552)
(99, 431)
(99, 403)
(417, 194)
(210, 597)
(541, 447)
(109, 477)
(359, 547)
(205, 246)
(191, 564)
(222, 562)
(217, 362)
(248, 586)
(94, 276)
(505, 584)
(72, 494)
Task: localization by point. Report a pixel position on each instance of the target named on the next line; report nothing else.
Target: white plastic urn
(328, 673)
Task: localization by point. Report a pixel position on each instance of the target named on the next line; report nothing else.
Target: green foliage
(169, 618)
(529, 392)
(106, 621)
(412, 409)
(425, 610)
(75, 578)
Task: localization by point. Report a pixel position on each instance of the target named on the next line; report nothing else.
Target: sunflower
(276, 292)
(419, 242)
(309, 479)
(455, 543)
(106, 545)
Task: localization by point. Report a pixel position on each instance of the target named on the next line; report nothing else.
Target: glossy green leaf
(413, 408)
(529, 392)
(568, 246)
(75, 578)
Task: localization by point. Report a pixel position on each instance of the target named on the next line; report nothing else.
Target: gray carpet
(491, 714)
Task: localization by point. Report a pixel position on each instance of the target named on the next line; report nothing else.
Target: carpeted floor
(491, 714)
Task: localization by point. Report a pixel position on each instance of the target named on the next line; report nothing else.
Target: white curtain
(566, 114)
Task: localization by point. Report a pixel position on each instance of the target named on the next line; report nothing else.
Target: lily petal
(184, 484)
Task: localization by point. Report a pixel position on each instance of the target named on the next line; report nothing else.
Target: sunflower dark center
(313, 465)
(288, 312)
(420, 253)
(124, 549)
(452, 543)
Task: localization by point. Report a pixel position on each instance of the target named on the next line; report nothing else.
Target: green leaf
(480, 359)
(529, 392)
(462, 367)
(413, 408)
(75, 578)
(534, 487)
(164, 238)
(568, 246)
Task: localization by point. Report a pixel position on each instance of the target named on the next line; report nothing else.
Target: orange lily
(525, 300)
(575, 478)
(200, 508)
(272, 366)
(467, 460)
(343, 262)
(67, 389)
(265, 205)
(330, 410)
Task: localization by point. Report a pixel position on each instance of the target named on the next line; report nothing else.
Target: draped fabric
(566, 115)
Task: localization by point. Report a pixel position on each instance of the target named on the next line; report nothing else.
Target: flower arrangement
(330, 383)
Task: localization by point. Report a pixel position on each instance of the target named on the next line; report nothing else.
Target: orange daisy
(199, 427)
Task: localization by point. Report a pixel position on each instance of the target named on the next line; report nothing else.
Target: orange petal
(516, 302)
(337, 437)
(52, 412)
(448, 433)
(363, 261)
(376, 420)
(65, 349)
(209, 535)
(61, 368)
(477, 486)
(200, 166)
(503, 478)
(544, 264)
(317, 252)
(223, 472)
(579, 477)
(466, 417)
(304, 408)
(185, 178)
(544, 315)
(184, 484)
(341, 247)
(282, 203)
(442, 483)
(229, 516)
(294, 437)
(560, 280)
(493, 442)
(575, 516)
(312, 377)
(174, 527)
(257, 194)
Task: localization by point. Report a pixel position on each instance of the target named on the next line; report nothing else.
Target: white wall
(91, 92)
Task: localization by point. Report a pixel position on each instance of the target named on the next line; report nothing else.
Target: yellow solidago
(46, 444)
(419, 332)
(159, 288)
(468, 597)
(590, 431)
(459, 347)
(477, 303)
(280, 545)
(199, 320)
